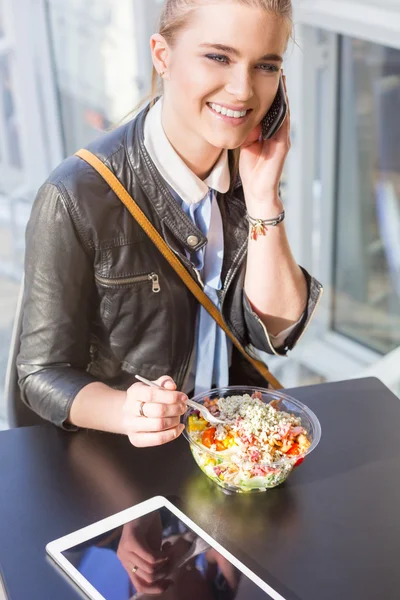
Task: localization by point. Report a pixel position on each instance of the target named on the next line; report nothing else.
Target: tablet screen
(158, 556)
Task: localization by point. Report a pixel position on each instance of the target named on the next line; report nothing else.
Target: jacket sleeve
(257, 333)
(55, 345)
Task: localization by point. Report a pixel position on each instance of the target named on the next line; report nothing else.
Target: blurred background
(70, 69)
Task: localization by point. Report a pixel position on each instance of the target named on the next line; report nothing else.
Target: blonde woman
(101, 303)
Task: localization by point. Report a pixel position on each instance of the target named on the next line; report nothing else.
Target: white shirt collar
(172, 168)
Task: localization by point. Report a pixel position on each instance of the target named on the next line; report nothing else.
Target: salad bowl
(268, 435)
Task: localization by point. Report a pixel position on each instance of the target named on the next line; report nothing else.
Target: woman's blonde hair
(175, 16)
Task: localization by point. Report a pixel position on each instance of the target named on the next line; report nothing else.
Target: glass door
(366, 305)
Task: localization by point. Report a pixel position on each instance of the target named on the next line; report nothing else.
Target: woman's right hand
(162, 410)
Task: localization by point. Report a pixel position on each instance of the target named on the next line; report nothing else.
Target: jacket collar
(146, 172)
(190, 188)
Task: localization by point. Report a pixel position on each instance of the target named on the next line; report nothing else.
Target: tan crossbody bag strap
(175, 263)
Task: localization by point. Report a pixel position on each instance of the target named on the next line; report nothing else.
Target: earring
(162, 73)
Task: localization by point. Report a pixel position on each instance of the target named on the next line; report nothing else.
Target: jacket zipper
(266, 334)
(189, 265)
(232, 274)
(153, 277)
(201, 282)
(188, 368)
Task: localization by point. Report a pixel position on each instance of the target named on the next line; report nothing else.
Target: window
(93, 48)
(2, 27)
(9, 119)
(366, 303)
(28, 145)
(343, 183)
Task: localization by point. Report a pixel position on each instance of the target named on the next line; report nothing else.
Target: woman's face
(204, 77)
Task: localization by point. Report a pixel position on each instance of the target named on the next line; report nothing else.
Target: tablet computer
(153, 550)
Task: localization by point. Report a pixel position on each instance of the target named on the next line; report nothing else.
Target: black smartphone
(276, 115)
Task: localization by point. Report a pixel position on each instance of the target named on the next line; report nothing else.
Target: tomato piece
(207, 439)
(294, 450)
(298, 462)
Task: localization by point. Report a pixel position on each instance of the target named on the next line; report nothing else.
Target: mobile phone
(276, 115)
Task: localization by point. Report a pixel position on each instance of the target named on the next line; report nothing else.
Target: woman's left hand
(261, 162)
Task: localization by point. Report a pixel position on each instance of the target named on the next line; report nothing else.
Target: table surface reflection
(331, 531)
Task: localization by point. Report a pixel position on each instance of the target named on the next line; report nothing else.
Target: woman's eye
(269, 68)
(218, 58)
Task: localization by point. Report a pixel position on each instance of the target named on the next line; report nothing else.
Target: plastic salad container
(268, 435)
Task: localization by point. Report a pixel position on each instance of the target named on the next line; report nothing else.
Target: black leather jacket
(101, 303)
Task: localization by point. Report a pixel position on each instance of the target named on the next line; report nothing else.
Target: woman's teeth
(237, 114)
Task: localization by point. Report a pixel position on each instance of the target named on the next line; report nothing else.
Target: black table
(331, 532)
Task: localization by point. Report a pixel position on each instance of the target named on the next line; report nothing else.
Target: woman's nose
(240, 86)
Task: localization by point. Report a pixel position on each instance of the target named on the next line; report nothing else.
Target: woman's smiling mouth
(235, 117)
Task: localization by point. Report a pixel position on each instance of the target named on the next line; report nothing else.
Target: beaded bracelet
(260, 226)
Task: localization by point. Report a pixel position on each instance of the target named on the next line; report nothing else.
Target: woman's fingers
(145, 439)
(145, 393)
(145, 588)
(150, 425)
(166, 382)
(148, 571)
(159, 411)
(151, 415)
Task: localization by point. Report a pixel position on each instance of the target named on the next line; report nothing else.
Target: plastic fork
(206, 414)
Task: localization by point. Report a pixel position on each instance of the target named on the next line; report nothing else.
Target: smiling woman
(101, 302)
(236, 68)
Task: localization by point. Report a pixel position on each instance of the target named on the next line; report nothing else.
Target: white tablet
(153, 550)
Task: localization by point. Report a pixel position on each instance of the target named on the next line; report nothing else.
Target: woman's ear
(160, 52)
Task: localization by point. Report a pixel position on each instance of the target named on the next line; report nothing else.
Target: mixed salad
(247, 451)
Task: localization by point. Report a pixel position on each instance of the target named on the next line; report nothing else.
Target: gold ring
(141, 413)
(134, 569)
